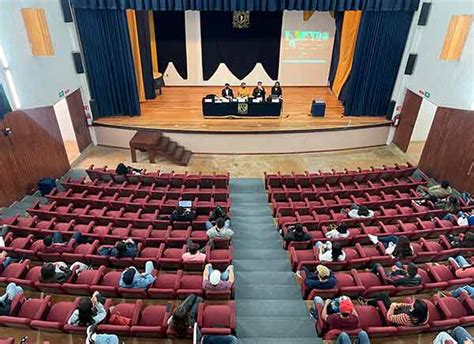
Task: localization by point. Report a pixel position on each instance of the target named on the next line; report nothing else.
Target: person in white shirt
(340, 232)
(360, 212)
(330, 252)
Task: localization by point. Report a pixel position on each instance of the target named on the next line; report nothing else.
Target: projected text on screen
(304, 46)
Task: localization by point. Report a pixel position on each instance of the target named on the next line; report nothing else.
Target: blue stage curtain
(143, 28)
(379, 49)
(251, 5)
(338, 17)
(170, 35)
(109, 61)
(240, 49)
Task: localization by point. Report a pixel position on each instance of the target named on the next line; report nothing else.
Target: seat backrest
(34, 274)
(111, 278)
(152, 315)
(13, 270)
(86, 277)
(165, 281)
(455, 307)
(216, 316)
(60, 311)
(29, 308)
(191, 282)
(371, 316)
(344, 279)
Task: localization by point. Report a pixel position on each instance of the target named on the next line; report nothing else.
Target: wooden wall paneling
(34, 150)
(408, 115)
(449, 149)
(78, 118)
(37, 29)
(456, 37)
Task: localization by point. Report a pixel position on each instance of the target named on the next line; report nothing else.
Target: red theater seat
(216, 319)
(57, 317)
(23, 311)
(128, 310)
(152, 321)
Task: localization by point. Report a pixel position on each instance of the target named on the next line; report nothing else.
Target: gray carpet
(268, 300)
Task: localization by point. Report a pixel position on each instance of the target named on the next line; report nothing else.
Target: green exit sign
(427, 94)
(61, 94)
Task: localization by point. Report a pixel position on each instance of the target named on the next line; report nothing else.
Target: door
(78, 118)
(408, 116)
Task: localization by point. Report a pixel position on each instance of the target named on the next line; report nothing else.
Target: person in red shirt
(346, 319)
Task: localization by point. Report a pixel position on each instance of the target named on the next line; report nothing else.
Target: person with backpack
(344, 317)
(183, 214)
(218, 213)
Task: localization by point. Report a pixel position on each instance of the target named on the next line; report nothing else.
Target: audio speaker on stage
(425, 11)
(78, 62)
(391, 108)
(67, 14)
(94, 107)
(410, 64)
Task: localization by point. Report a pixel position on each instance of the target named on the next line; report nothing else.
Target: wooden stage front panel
(180, 109)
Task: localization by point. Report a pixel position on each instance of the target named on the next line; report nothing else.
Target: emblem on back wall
(241, 19)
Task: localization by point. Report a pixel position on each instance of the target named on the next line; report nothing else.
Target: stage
(178, 114)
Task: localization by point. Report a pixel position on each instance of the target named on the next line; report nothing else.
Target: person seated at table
(243, 91)
(276, 90)
(259, 91)
(227, 91)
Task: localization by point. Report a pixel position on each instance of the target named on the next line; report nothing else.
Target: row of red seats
(359, 233)
(175, 235)
(140, 190)
(160, 179)
(357, 175)
(361, 256)
(355, 283)
(149, 321)
(167, 285)
(444, 313)
(162, 256)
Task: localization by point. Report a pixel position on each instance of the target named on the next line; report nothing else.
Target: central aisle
(268, 300)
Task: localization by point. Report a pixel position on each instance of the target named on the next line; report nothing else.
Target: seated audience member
(396, 246)
(132, 278)
(3, 232)
(359, 212)
(194, 254)
(215, 280)
(465, 219)
(59, 272)
(4, 260)
(218, 213)
(451, 205)
(457, 336)
(443, 190)
(462, 240)
(457, 292)
(55, 244)
(343, 318)
(276, 90)
(121, 249)
(90, 311)
(227, 91)
(220, 231)
(323, 278)
(259, 91)
(102, 338)
(404, 314)
(362, 338)
(11, 291)
(330, 252)
(463, 268)
(183, 214)
(243, 91)
(122, 169)
(296, 233)
(404, 276)
(185, 315)
(341, 231)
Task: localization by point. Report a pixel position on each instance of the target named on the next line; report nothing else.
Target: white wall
(304, 74)
(449, 83)
(424, 120)
(63, 117)
(39, 79)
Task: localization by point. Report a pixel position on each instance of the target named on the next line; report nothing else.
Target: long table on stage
(241, 109)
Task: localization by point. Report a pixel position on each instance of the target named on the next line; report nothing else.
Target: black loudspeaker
(390, 109)
(425, 11)
(66, 7)
(78, 62)
(94, 107)
(410, 64)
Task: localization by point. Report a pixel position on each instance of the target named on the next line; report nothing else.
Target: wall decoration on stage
(241, 19)
(240, 50)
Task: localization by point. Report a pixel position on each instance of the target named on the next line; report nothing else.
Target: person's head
(298, 228)
(180, 210)
(86, 311)
(402, 248)
(412, 270)
(277, 84)
(121, 168)
(121, 248)
(193, 249)
(342, 228)
(243, 85)
(323, 272)
(48, 241)
(453, 201)
(336, 251)
(419, 312)
(215, 277)
(180, 321)
(47, 271)
(346, 307)
(444, 184)
(363, 211)
(220, 223)
(433, 198)
(259, 84)
(128, 276)
(227, 85)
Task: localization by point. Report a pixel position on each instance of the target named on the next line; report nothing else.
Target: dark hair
(121, 248)
(47, 271)
(412, 270)
(193, 248)
(128, 276)
(277, 82)
(227, 84)
(48, 241)
(444, 184)
(86, 312)
(121, 169)
(419, 313)
(342, 228)
(402, 249)
(180, 210)
(336, 251)
(259, 82)
(433, 198)
(298, 227)
(181, 321)
(453, 200)
(363, 211)
(220, 222)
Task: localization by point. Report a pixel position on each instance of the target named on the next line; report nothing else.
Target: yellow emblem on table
(243, 108)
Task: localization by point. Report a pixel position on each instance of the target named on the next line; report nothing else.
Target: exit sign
(427, 94)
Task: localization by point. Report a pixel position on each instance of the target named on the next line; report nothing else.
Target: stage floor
(179, 108)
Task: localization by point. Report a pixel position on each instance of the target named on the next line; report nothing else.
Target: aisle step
(255, 235)
(268, 292)
(262, 265)
(280, 341)
(270, 278)
(256, 244)
(257, 253)
(275, 327)
(271, 308)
